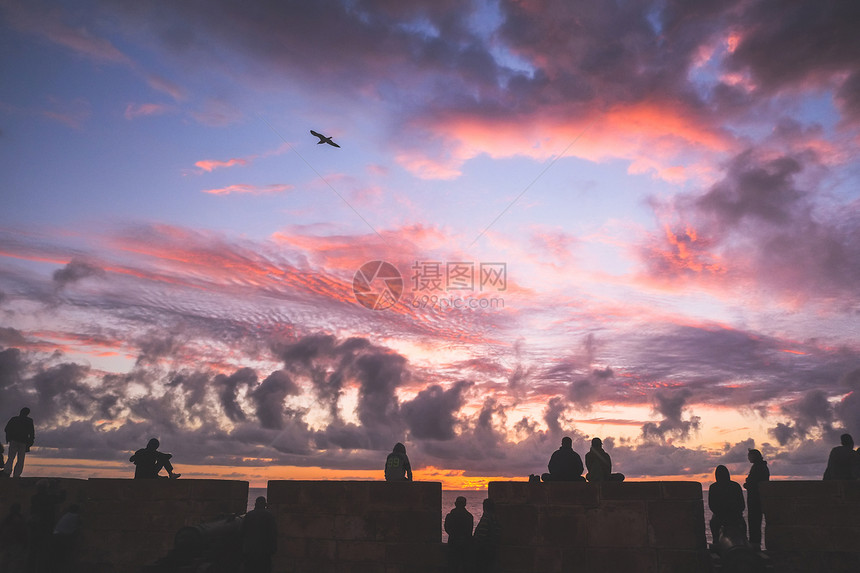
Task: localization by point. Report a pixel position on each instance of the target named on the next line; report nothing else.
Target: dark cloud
(229, 389)
(76, 270)
(431, 415)
(784, 46)
(671, 404)
(269, 398)
(763, 222)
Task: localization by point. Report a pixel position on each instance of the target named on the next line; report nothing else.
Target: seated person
(148, 462)
(565, 464)
(726, 500)
(397, 466)
(599, 464)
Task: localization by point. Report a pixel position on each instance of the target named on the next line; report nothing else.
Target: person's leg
(19, 463)
(754, 517)
(16, 454)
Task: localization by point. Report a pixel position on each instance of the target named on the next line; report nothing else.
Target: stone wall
(129, 523)
(357, 526)
(575, 526)
(812, 525)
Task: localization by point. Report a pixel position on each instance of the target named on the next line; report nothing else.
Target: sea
(474, 503)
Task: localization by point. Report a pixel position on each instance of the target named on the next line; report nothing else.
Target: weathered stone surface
(622, 560)
(690, 490)
(519, 523)
(676, 524)
(683, 561)
(617, 524)
(572, 493)
(563, 526)
(643, 490)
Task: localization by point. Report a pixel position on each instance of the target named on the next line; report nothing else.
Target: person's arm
(31, 434)
(408, 470)
(577, 464)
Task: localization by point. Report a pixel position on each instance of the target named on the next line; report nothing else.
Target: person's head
(489, 505)
(566, 442)
(399, 448)
(260, 503)
(722, 473)
(847, 440)
(754, 456)
(153, 444)
(596, 443)
(460, 501)
(25, 411)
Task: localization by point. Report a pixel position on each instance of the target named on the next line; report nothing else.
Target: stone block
(617, 524)
(642, 490)
(563, 526)
(572, 493)
(574, 559)
(622, 560)
(797, 538)
(676, 524)
(306, 526)
(425, 554)
(851, 492)
(681, 490)
(548, 558)
(519, 523)
(351, 527)
(323, 550)
(514, 492)
(350, 551)
(413, 526)
(811, 514)
(405, 495)
(801, 489)
(517, 558)
(683, 561)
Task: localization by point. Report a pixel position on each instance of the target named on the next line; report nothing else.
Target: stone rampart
(129, 523)
(644, 527)
(812, 526)
(357, 526)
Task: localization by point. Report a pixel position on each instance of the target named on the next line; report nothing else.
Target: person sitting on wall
(726, 501)
(458, 525)
(148, 462)
(844, 462)
(397, 466)
(599, 464)
(564, 464)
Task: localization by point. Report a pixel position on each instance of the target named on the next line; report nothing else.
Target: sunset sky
(637, 220)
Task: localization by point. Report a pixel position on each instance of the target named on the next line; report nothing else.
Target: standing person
(259, 538)
(564, 464)
(726, 501)
(148, 462)
(843, 463)
(599, 464)
(758, 473)
(397, 466)
(20, 435)
(488, 533)
(458, 525)
(13, 541)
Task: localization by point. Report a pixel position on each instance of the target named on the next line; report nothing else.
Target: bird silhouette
(324, 139)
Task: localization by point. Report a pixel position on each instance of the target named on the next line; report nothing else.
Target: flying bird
(324, 139)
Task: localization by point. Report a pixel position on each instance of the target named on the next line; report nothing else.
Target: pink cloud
(249, 189)
(145, 109)
(212, 164)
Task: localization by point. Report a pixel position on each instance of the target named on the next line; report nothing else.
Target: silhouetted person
(13, 541)
(599, 464)
(564, 464)
(488, 533)
(726, 500)
(259, 538)
(148, 462)
(65, 539)
(20, 435)
(397, 466)
(43, 516)
(458, 525)
(758, 473)
(2, 463)
(843, 463)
